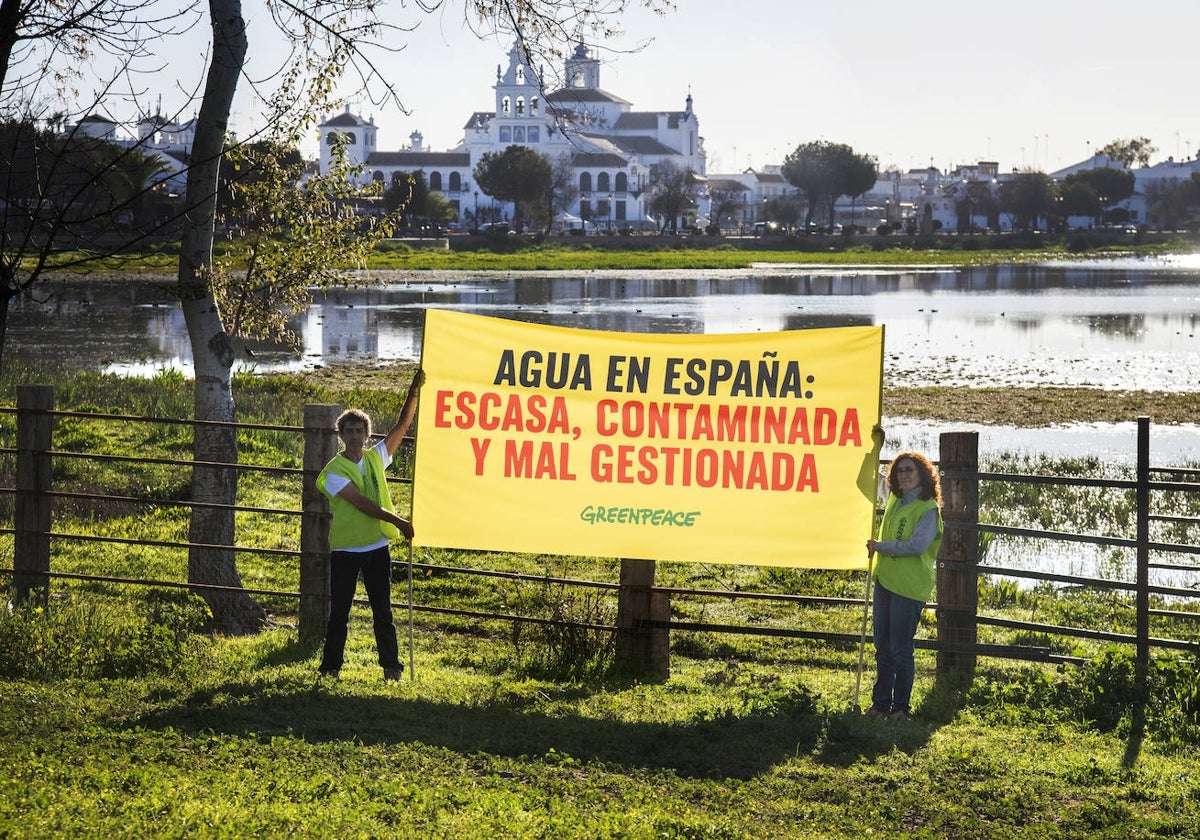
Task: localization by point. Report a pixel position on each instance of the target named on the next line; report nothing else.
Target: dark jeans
(895, 622)
(376, 569)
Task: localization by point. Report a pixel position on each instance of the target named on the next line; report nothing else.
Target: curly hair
(351, 415)
(931, 486)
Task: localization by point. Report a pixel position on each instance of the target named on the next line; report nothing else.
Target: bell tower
(583, 69)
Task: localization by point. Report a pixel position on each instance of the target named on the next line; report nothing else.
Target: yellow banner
(753, 449)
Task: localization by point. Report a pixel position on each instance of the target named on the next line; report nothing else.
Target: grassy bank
(651, 253)
(1032, 407)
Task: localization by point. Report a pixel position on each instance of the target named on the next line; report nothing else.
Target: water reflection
(1116, 324)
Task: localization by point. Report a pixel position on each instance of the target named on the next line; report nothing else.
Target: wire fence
(74, 524)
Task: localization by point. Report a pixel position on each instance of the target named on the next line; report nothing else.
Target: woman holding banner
(907, 547)
(364, 523)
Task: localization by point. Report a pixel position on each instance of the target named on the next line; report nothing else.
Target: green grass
(235, 738)
(121, 715)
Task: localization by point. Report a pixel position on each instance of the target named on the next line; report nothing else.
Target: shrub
(102, 638)
(1112, 698)
(571, 642)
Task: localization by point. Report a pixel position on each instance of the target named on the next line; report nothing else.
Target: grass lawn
(237, 738)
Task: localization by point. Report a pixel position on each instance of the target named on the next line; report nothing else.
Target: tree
(299, 232)
(827, 171)
(1090, 191)
(408, 196)
(243, 168)
(787, 209)
(71, 34)
(415, 204)
(60, 188)
(724, 197)
(1079, 199)
(670, 192)
(517, 174)
(1136, 150)
(977, 199)
(1028, 197)
(1170, 203)
(211, 530)
(140, 187)
(562, 191)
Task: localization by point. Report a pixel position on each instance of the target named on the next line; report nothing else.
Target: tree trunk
(211, 560)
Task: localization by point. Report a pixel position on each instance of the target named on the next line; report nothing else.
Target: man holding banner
(364, 523)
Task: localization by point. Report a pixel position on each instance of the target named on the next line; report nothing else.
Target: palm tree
(135, 179)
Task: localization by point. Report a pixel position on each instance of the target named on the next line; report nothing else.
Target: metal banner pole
(412, 674)
(862, 639)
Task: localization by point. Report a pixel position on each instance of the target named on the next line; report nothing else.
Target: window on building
(533, 106)
(330, 139)
(532, 134)
(520, 74)
(435, 181)
(520, 106)
(577, 79)
(505, 105)
(506, 134)
(377, 176)
(622, 182)
(455, 182)
(518, 134)
(621, 211)
(602, 182)
(351, 137)
(585, 182)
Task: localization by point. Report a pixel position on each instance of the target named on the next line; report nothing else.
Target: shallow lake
(1113, 324)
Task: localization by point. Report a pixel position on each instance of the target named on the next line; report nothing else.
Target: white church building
(611, 148)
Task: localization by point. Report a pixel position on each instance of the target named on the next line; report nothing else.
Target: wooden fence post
(320, 444)
(642, 650)
(958, 557)
(31, 512)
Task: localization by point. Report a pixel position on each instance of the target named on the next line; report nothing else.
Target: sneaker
(392, 674)
(897, 714)
(874, 712)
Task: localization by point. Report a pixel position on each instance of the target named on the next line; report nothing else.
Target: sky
(1038, 85)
